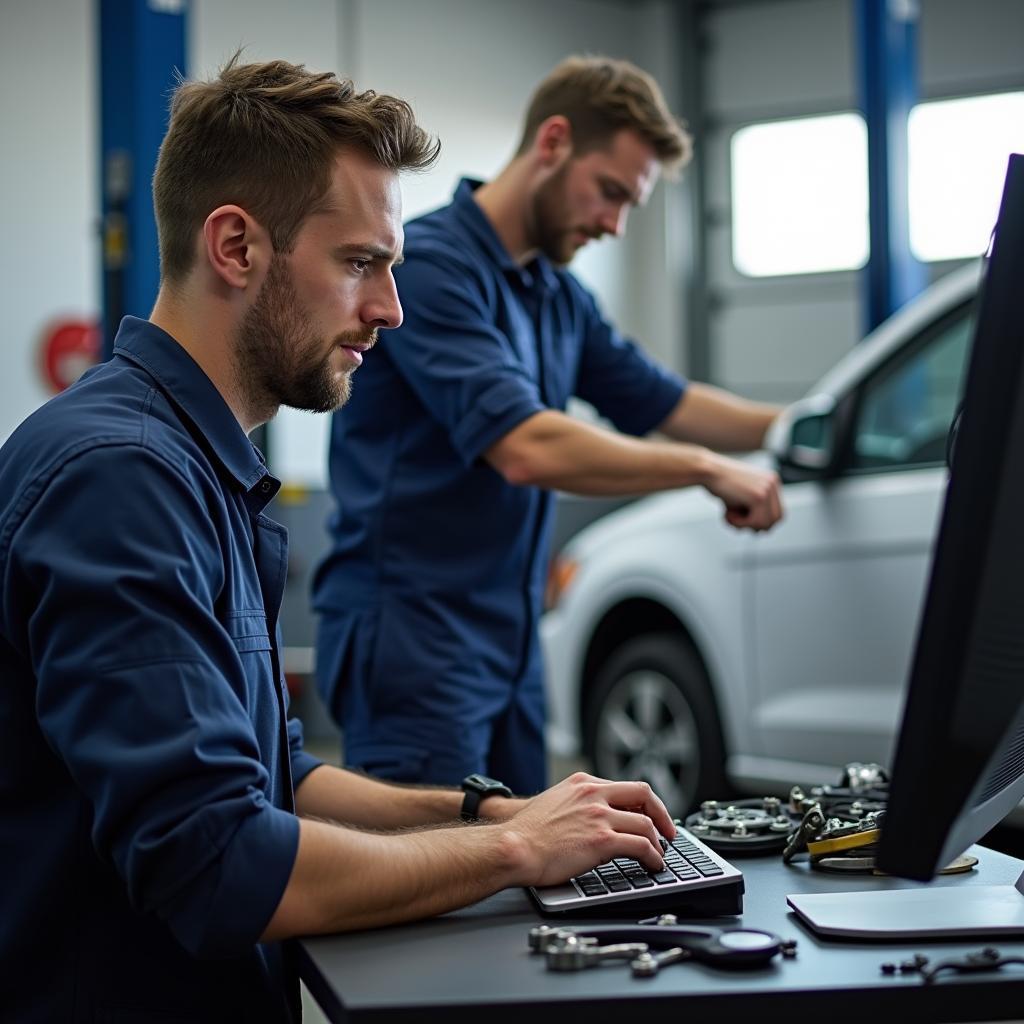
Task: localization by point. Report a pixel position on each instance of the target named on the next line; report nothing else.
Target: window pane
(908, 408)
(957, 164)
(800, 196)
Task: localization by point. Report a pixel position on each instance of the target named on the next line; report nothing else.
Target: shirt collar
(180, 377)
(537, 271)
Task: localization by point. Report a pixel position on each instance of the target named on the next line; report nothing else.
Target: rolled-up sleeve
(302, 761)
(467, 373)
(140, 691)
(619, 379)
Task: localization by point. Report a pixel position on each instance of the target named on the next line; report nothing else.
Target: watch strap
(471, 805)
(477, 788)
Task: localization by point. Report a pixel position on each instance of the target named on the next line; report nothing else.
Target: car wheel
(650, 715)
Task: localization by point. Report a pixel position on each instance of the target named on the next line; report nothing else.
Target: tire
(650, 715)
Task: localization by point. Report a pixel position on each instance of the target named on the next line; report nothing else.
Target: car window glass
(906, 409)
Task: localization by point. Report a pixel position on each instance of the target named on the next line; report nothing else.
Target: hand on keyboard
(584, 821)
(694, 881)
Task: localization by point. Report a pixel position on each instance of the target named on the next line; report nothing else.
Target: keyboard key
(664, 877)
(686, 872)
(590, 884)
(641, 882)
(710, 870)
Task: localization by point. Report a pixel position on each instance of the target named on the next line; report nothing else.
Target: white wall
(304, 33)
(48, 186)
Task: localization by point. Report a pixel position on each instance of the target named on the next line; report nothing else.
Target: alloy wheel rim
(648, 731)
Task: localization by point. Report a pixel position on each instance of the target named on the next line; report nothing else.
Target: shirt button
(265, 486)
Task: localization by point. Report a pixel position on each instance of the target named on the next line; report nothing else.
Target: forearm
(707, 415)
(344, 880)
(553, 450)
(353, 799)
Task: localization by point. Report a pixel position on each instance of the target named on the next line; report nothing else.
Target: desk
(473, 964)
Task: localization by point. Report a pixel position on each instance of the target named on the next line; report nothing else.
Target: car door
(837, 587)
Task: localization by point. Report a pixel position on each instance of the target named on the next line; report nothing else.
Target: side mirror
(802, 438)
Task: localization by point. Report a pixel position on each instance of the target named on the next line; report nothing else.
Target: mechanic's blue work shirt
(146, 769)
(433, 587)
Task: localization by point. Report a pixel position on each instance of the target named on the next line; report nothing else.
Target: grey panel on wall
(787, 54)
(967, 47)
(779, 351)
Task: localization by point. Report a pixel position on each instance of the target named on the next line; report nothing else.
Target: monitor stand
(929, 912)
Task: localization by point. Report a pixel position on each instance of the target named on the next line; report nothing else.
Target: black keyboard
(695, 881)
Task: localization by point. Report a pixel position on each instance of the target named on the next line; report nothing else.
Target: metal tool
(576, 953)
(812, 823)
(647, 965)
(987, 959)
(576, 948)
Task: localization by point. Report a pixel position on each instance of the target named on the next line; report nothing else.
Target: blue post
(887, 36)
(142, 50)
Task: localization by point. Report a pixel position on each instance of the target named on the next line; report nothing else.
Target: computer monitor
(959, 764)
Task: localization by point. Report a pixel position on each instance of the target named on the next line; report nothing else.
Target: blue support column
(142, 50)
(887, 37)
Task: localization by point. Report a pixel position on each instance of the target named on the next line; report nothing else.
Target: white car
(706, 659)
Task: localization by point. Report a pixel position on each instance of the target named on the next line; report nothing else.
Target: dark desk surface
(475, 961)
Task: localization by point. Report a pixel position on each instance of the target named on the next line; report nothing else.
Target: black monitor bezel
(961, 716)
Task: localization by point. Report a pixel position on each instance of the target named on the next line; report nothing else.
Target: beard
(280, 357)
(552, 235)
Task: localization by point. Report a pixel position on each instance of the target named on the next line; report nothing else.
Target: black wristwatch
(477, 787)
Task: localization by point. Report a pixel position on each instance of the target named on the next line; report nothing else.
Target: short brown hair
(264, 136)
(600, 96)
